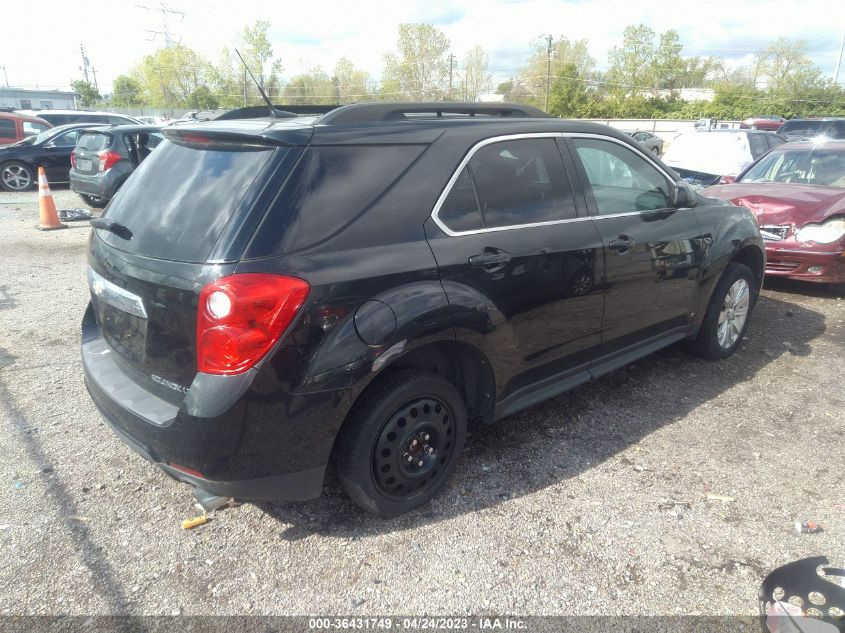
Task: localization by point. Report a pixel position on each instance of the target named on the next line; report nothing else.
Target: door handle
(491, 259)
(621, 244)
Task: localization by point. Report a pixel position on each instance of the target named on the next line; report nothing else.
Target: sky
(44, 50)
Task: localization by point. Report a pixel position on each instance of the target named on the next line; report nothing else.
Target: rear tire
(95, 202)
(728, 314)
(401, 442)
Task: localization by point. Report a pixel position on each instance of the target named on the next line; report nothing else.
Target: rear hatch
(90, 150)
(187, 213)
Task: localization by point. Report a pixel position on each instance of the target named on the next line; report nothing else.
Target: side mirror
(684, 195)
(726, 180)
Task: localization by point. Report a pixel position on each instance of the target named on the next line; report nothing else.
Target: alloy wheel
(16, 177)
(734, 313)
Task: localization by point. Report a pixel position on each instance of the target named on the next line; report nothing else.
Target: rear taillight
(108, 158)
(73, 158)
(240, 317)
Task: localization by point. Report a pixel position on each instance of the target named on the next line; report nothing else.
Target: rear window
(178, 201)
(93, 141)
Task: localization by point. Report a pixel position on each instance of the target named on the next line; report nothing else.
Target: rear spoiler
(282, 112)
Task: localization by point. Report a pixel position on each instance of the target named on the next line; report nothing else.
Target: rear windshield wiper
(110, 225)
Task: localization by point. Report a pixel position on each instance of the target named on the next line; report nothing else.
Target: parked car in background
(51, 149)
(800, 129)
(64, 117)
(105, 157)
(651, 142)
(766, 122)
(702, 158)
(797, 192)
(17, 127)
(267, 295)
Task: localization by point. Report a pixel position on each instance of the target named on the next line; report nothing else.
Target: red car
(16, 127)
(768, 122)
(797, 193)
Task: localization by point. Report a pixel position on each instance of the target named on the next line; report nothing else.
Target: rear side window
(93, 141)
(179, 200)
(7, 128)
(329, 189)
(460, 211)
(510, 183)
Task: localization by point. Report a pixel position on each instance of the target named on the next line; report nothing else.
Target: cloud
(116, 37)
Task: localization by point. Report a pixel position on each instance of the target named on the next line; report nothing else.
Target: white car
(702, 158)
(63, 117)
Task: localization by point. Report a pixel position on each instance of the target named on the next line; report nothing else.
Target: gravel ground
(593, 503)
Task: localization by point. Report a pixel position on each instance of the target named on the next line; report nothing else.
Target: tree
(170, 76)
(351, 84)
(784, 67)
(631, 65)
(475, 79)
(126, 92)
(531, 84)
(88, 94)
(568, 93)
(312, 87)
(420, 69)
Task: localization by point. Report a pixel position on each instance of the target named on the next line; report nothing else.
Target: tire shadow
(564, 437)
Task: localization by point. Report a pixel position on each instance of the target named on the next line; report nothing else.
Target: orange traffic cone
(48, 218)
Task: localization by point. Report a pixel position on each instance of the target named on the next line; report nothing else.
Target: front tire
(401, 442)
(728, 314)
(16, 176)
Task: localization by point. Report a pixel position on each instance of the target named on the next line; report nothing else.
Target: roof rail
(374, 112)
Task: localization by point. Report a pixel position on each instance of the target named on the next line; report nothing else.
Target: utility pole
(85, 63)
(838, 62)
(451, 68)
(549, 41)
(94, 72)
(5, 75)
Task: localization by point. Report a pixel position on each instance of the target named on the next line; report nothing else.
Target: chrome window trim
(513, 137)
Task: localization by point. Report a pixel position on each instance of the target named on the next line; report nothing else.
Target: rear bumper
(806, 265)
(256, 447)
(101, 185)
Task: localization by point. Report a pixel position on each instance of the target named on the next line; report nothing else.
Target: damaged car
(797, 193)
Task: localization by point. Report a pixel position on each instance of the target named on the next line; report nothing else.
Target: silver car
(652, 143)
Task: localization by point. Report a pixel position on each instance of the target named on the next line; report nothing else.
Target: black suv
(270, 296)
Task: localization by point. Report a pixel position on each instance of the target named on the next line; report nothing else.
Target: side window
(460, 210)
(7, 128)
(117, 120)
(521, 182)
(67, 139)
(621, 180)
(758, 145)
(775, 140)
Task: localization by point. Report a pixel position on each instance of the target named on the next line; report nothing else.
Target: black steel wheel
(95, 202)
(401, 442)
(413, 446)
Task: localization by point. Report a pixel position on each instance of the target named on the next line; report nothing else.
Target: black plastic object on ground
(70, 215)
(803, 597)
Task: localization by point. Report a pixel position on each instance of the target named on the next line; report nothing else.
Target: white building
(22, 99)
